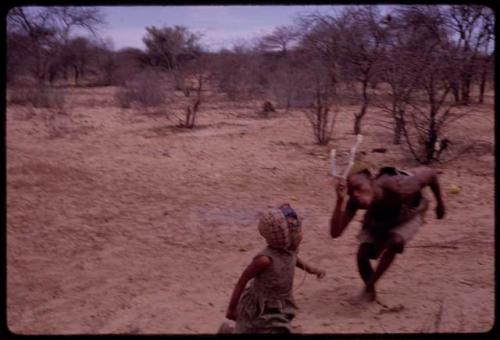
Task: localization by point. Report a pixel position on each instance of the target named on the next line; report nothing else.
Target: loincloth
(406, 229)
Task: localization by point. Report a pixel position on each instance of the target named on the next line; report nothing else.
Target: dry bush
(39, 97)
(58, 125)
(267, 108)
(146, 91)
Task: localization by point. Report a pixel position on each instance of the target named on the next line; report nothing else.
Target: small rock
(454, 189)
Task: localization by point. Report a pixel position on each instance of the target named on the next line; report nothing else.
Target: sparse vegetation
(38, 97)
(167, 152)
(144, 92)
(415, 65)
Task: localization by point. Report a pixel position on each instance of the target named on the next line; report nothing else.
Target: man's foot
(370, 294)
(225, 328)
(366, 296)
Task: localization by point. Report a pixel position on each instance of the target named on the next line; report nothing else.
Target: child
(267, 305)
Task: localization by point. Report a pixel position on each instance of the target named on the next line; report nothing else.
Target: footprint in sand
(387, 309)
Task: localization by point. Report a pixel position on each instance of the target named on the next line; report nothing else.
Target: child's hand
(318, 272)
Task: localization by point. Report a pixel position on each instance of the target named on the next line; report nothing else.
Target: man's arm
(428, 176)
(340, 217)
(407, 187)
(256, 266)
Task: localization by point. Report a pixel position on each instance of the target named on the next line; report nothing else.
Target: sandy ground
(125, 224)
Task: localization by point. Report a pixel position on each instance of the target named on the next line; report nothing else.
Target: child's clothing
(267, 305)
(274, 228)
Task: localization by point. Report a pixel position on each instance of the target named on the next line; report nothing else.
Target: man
(395, 208)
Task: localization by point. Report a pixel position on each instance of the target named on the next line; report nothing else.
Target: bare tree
(319, 71)
(35, 26)
(279, 40)
(320, 97)
(401, 76)
(362, 47)
(428, 110)
(129, 61)
(48, 30)
(470, 23)
(145, 91)
(239, 72)
(65, 19)
(430, 114)
(488, 53)
(278, 64)
(170, 47)
(197, 77)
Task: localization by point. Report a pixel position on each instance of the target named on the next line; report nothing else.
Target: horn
(352, 156)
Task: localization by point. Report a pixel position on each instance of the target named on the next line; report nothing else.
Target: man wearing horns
(395, 209)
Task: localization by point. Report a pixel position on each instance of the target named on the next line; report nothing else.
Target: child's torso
(277, 280)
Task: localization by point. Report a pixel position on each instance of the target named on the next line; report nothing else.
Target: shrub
(39, 97)
(145, 90)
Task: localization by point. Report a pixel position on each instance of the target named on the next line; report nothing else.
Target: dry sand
(125, 224)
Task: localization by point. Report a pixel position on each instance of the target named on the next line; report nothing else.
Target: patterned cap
(274, 228)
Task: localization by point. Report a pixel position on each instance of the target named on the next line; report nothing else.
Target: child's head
(281, 228)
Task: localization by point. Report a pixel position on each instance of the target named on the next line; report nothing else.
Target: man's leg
(365, 253)
(394, 245)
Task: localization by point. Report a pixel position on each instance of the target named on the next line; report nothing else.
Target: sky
(221, 26)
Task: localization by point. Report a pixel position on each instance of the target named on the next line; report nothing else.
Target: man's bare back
(394, 211)
(400, 200)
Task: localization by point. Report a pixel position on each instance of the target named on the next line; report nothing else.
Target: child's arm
(256, 266)
(309, 269)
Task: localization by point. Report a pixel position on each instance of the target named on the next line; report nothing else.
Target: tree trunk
(398, 129)
(359, 117)
(456, 92)
(288, 101)
(482, 87)
(77, 74)
(432, 138)
(324, 126)
(466, 89)
(39, 74)
(188, 117)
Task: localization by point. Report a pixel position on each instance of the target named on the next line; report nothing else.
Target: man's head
(360, 188)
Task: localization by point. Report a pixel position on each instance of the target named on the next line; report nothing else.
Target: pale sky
(221, 25)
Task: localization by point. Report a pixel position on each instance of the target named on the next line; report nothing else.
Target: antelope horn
(352, 155)
(334, 167)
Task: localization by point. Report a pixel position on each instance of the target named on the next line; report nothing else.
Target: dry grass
(38, 97)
